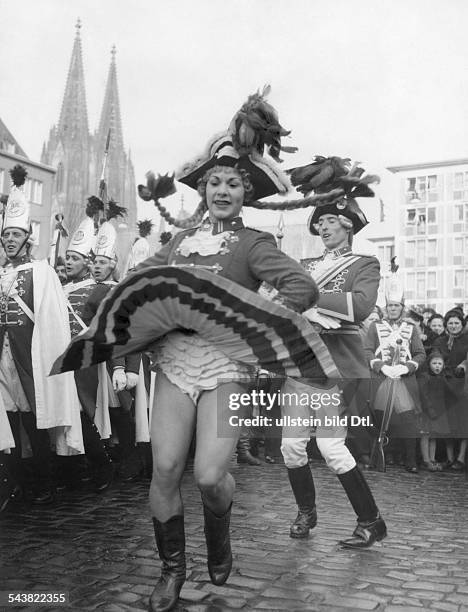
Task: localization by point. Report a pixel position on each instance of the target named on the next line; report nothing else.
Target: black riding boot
(371, 526)
(243, 452)
(131, 464)
(170, 540)
(218, 544)
(43, 488)
(9, 489)
(303, 487)
(97, 454)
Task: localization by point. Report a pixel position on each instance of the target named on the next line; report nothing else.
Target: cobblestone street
(100, 548)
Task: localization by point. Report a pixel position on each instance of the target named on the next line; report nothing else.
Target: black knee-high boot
(131, 464)
(170, 540)
(302, 484)
(218, 544)
(371, 526)
(43, 489)
(9, 489)
(97, 454)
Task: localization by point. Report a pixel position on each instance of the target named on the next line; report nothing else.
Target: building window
(422, 189)
(432, 255)
(432, 280)
(37, 192)
(59, 178)
(460, 216)
(458, 279)
(458, 246)
(420, 253)
(2, 180)
(421, 286)
(411, 216)
(36, 232)
(28, 188)
(460, 186)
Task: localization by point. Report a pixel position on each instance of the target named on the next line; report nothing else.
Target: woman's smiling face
(224, 193)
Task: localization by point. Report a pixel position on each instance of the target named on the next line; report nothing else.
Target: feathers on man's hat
(18, 175)
(94, 206)
(113, 210)
(145, 227)
(327, 173)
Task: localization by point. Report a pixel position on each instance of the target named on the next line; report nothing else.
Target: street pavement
(100, 549)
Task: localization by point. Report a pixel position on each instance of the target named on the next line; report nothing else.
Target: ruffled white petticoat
(195, 365)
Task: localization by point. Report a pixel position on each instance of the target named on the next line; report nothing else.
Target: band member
(33, 330)
(80, 299)
(140, 248)
(125, 371)
(348, 284)
(380, 345)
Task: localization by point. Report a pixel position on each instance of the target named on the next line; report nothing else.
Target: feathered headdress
(165, 237)
(335, 174)
(17, 208)
(113, 210)
(94, 207)
(145, 227)
(254, 131)
(256, 126)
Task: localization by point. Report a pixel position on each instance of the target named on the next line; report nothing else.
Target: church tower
(69, 144)
(119, 173)
(78, 156)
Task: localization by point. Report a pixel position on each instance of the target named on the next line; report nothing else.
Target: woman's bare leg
(172, 426)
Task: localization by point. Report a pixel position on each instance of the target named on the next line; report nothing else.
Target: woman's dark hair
(436, 315)
(454, 314)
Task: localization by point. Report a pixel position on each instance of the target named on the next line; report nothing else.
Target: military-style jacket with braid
(348, 285)
(243, 255)
(17, 281)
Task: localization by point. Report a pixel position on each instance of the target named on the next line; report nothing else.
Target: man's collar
(18, 261)
(337, 252)
(225, 225)
(82, 278)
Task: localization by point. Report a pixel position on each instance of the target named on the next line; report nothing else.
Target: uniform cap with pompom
(17, 211)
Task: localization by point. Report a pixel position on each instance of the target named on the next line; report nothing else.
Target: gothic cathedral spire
(73, 122)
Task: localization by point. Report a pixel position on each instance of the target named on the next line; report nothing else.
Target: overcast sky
(381, 81)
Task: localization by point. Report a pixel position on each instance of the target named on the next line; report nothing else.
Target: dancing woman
(194, 378)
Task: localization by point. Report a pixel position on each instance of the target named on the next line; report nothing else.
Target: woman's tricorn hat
(326, 174)
(254, 128)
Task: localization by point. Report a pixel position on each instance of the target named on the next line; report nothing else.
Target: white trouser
(330, 439)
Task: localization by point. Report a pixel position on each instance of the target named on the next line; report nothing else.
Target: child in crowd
(435, 424)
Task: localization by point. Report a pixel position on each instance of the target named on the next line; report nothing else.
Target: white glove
(389, 371)
(401, 370)
(132, 380)
(324, 321)
(119, 379)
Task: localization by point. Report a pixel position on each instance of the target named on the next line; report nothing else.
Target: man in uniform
(348, 285)
(124, 371)
(33, 331)
(380, 345)
(79, 292)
